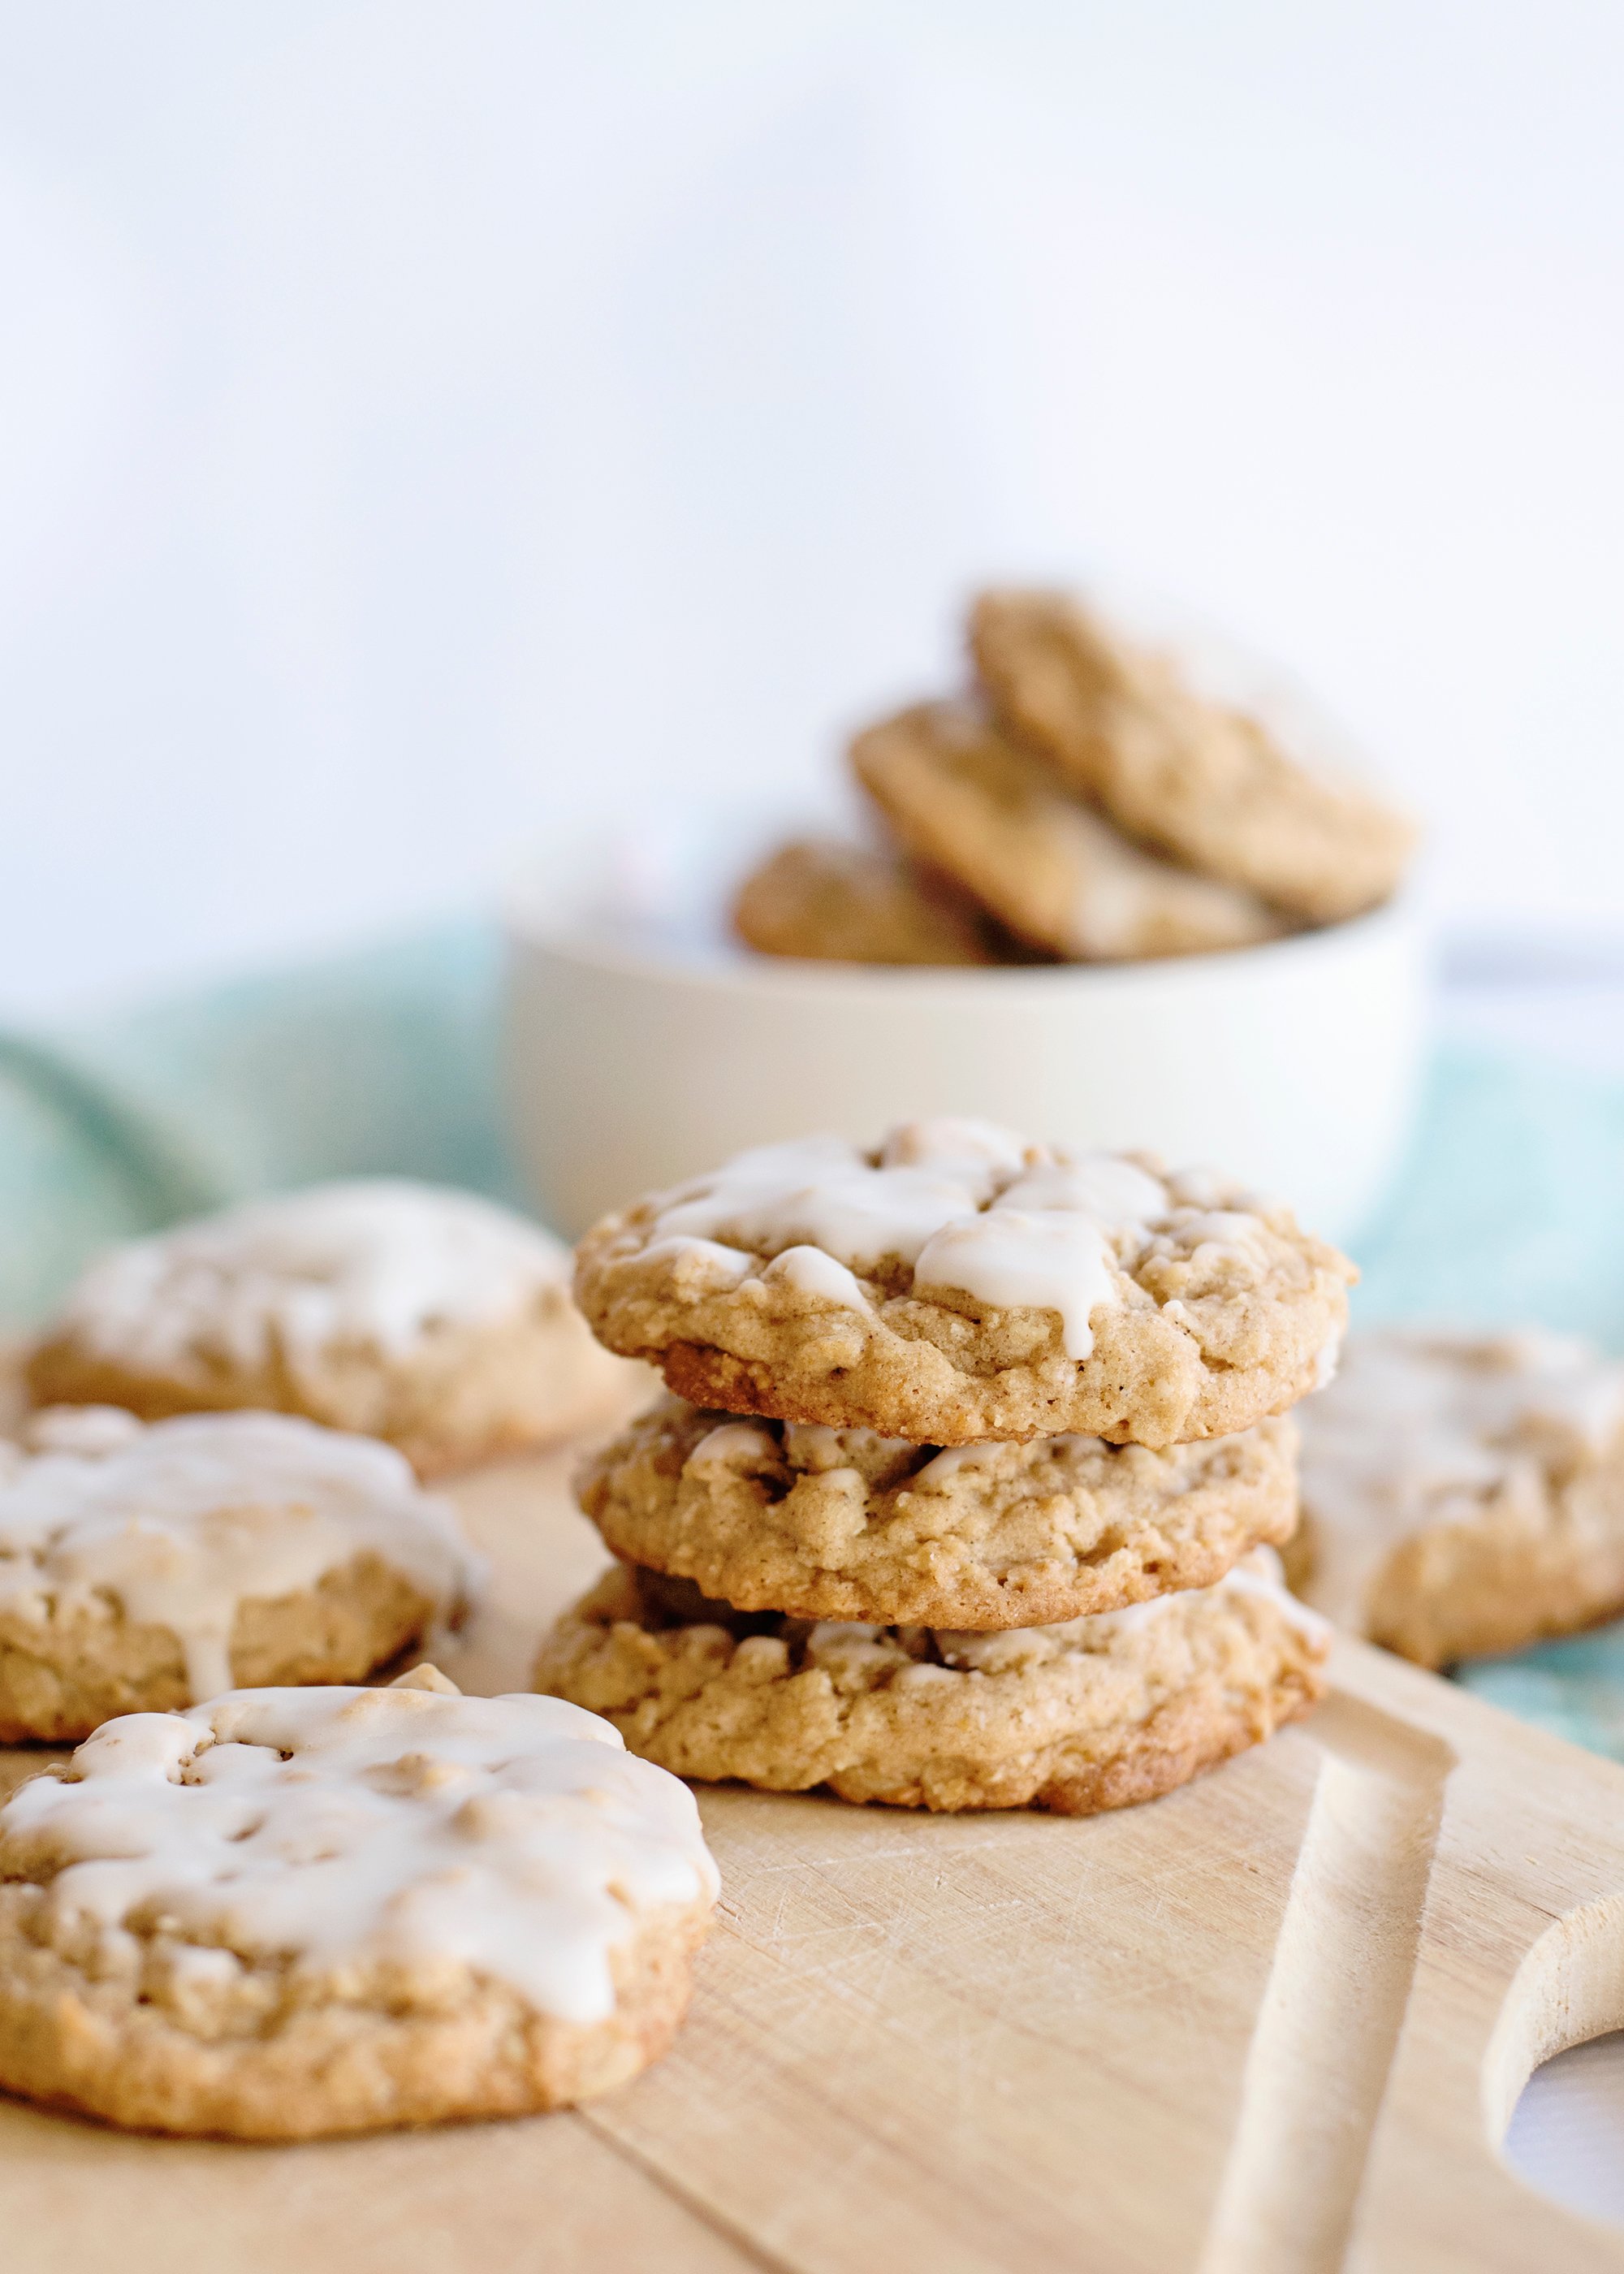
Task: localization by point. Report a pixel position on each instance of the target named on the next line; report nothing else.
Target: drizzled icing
(179, 1523)
(1423, 1428)
(1043, 1259)
(380, 1262)
(969, 1207)
(1258, 1572)
(511, 1837)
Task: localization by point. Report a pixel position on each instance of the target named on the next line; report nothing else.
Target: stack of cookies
(969, 1490)
(1085, 802)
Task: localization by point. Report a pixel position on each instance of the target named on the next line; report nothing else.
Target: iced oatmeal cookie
(296, 1912)
(149, 1566)
(960, 1285)
(1090, 1714)
(964, 796)
(1465, 1493)
(830, 1523)
(1208, 784)
(409, 1312)
(837, 903)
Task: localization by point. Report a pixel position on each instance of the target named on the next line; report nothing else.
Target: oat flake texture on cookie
(296, 1912)
(149, 1566)
(1076, 1717)
(958, 1283)
(827, 1524)
(410, 1311)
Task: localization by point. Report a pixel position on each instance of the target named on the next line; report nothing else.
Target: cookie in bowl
(828, 901)
(1209, 785)
(995, 815)
(427, 1317)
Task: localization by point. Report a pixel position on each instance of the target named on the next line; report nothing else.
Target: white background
(427, 423)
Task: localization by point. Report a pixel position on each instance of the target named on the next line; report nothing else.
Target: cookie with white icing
(834, 902)
(427, 1317)
(298, 1912)
(1210, 786)
(958, 1284)
(830, 1524)
(995, 815)
(1077, 1717)
(144, 1566)
(1463, 1493)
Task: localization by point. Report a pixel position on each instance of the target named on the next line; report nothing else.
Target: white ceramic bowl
(639, 1053)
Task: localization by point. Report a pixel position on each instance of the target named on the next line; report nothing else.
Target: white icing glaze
(337, 1828)
(784, 1196)
(1419, 1428)
(180, 1522)
(1262, 1574)
(87, 1430)
(943, 1466)
(1229, 1229)
(970, 1207)
(379, 1263)
(1258, 1573)
(976, 1153)
(1113, 1192)
(810, 1272)
(733, 1445)
(1039, 1259)
(703, 1260)
(939, 1471)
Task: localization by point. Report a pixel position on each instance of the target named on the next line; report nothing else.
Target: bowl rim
(717, 969)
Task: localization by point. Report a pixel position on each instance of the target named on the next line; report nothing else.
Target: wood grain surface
(1273, 2024)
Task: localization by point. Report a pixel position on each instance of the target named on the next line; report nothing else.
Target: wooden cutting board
(1273, 2024)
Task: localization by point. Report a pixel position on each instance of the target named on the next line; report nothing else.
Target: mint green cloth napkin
(1509, 1209)
(384, 1060)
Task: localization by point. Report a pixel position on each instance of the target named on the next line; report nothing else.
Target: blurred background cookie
(965, 796)
(837, 902)
(431, 1318)
(144, 1566)
(1209, 785)
(1463, 1493)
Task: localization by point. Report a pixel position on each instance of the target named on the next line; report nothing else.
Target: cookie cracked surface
(827, 1524)
(144, 1567)
(427, 1317)
(1208, 784)
(1091, 1714)
(1464, 1494)
(960, 1285)
(293, 1913)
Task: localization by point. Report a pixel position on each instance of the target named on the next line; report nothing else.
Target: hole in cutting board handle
(1554, 2078)
(1566, 2137)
